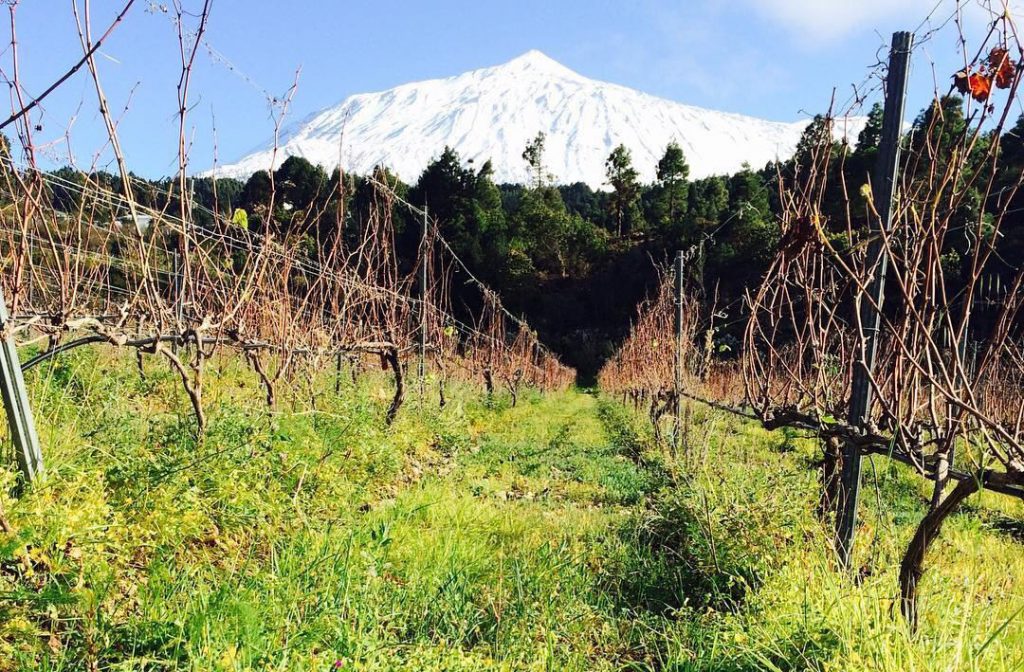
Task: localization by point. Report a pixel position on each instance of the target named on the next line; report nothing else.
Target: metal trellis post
(883, 187)
(678, 348)
(424, 250)
(16, 404)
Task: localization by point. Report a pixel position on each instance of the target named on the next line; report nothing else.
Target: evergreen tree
(7, 178)
(147, 195)
(671, 190)
(65, 190)
(208, 195)
(940, 136)
(623, 179)
(589, 204)
(752, 227)
(534, 156)
(816, 138)
(6, 160)
(707, 200)
(816, 151)
(938, 131)
(491, 219)
(444, 186)
(870, 136)
(539, 228)
(337, 215)
(256, 199)
(467, 205)
(860, 165)
(1007, 197)
(302, 192)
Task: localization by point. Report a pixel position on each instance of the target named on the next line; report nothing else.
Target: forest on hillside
(572, 260)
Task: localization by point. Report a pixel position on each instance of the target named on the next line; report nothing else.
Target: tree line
(573, 259)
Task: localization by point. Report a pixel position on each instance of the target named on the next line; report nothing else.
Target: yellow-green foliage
(548, 536)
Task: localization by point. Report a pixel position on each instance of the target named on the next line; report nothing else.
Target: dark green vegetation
(549, 536)
(576, 261)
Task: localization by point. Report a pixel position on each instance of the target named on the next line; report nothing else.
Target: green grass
(549, 536)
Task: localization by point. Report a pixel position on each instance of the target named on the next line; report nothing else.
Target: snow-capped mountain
(493, 113)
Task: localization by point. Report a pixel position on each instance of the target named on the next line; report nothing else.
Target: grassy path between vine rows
(549, 536)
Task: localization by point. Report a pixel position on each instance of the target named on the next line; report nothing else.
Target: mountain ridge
(492, 113)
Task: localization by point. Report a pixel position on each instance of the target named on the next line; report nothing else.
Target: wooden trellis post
(15, 397)
(883, 188)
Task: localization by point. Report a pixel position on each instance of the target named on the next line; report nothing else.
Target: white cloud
(819, 20)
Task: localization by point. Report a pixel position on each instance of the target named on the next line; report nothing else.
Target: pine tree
(815, 141)
(492, 223)
(65, 192)
(871, 135)
(256, 199)
(672, 188)
(534, 156)
(938, 134)
(751, 227)
(300, 184)
(1007, 196)
(708, 199)
(747, 234)
(539, 226)
(623, 179)
(861, 163)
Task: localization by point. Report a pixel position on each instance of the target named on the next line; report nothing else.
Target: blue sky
(777, 59)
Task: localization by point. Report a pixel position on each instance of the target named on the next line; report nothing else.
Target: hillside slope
(492, 113)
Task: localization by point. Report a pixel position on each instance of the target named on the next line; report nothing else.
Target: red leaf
(980, 86)
(1001, 68)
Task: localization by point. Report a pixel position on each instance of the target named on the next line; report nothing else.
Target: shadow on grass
(1002, 524)
(692, 560)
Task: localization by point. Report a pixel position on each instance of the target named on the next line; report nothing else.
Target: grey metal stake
(679, 348)
(423, 303)
(16, 404)
(883, 187)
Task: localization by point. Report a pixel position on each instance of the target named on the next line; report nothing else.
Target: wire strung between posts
(247, 242)
(518, 321)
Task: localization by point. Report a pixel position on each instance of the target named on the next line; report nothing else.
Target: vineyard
(111, 271)
(867, 331)
(76, 280)
(164, 286)
(311, 438)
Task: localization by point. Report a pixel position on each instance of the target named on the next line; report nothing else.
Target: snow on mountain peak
(492, 113)
(535, 62)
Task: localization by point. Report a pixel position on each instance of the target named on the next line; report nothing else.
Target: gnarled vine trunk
(912, 566)
(831, 468)
(395, 362)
